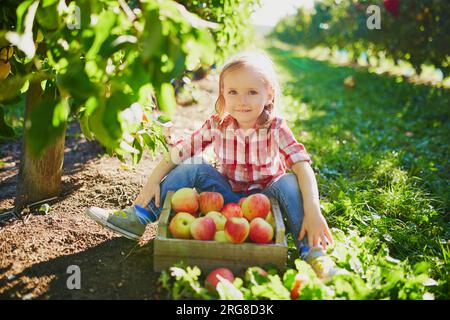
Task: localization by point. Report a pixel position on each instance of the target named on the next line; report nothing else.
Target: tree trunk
(39, 177)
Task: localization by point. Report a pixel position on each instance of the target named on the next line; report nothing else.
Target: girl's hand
(148, 192)
(316, 227)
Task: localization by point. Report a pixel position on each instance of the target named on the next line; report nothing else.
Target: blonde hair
(265, 67)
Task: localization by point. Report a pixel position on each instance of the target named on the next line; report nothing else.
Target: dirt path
(35, 253)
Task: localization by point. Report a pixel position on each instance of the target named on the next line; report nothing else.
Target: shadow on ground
(115, 269)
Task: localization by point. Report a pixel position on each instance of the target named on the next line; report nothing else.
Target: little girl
(254, 147)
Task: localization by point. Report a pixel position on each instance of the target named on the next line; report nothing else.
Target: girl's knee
(288, 182)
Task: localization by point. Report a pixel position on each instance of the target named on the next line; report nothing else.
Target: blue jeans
(204, 177)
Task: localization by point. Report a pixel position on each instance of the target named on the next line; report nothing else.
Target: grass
(380, 153)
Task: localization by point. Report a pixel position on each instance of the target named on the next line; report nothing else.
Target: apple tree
(107, 64)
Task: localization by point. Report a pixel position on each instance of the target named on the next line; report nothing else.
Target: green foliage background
(418, 34)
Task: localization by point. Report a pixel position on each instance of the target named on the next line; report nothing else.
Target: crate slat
(279, 224)
(214, 249)
(163, 223)
(207, 264)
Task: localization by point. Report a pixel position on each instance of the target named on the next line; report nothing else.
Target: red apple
(220, 236)
(260, 231)
(300, 280)
(212, 280)
(256, 205)
(219, 219)
(210, 201)
(237, 229)
(195, 215)
(256, 275)
(185, 200)
(203, 228)
(231, 210)
(392, 6)
(241, 200)
(180, 225)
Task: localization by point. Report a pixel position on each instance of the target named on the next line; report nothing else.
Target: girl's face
(245, 95)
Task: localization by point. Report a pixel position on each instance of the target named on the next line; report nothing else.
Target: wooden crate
(209, 255)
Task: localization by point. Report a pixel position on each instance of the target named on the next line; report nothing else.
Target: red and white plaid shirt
(248, 161)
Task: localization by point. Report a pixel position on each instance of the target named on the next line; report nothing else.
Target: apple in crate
(241, 200)
(236, 230)
(220, 236)
(180, 225)
(260, 231)
(203, 228)
(219, 219)
(271, 219)
(185, 200)
(231, 210)
(212, 280)
(256, 205)
(210, 201)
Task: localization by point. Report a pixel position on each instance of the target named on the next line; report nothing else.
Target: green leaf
(21, 9)
(48, 16)
(115, 43)
(137, 156)
(131, 118)
(24, 41)
(289, 278)
(227, 291)
(273, 289)
(41, 125)
(421, 267)
(47, 3)
(10, 88)
(76, 82)
(138, 74)
(117, 102)
(166, 99)
(151, 144)
(96, 123)
(177, 58)
(102, 29)
(152, 37)
(84, 126)
(6, 131)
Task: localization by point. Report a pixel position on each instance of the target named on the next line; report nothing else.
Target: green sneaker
(125, 222)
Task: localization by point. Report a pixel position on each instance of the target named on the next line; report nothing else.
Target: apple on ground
(260, 231)
(237, 229)
(231, 210)
(212, 280)
(210, 201)
(220, 236)
(203, 228)
(180, 225)
(219, 219)
(256, 205)
(256, 275)
(185, 200)
(299, 281)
